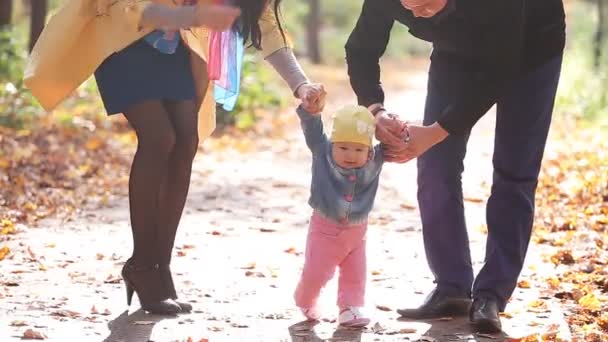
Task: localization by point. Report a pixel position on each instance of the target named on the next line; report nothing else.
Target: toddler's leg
(351, 284)
(323, 253)
(353, 276)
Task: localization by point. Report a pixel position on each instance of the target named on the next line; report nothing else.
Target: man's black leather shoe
(438, 305)
(485, 315)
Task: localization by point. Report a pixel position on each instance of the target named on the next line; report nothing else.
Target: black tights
(160, 175)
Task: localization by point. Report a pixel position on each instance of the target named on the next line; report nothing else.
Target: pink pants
(330, 245)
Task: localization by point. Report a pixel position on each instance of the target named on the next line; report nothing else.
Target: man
(503, 52)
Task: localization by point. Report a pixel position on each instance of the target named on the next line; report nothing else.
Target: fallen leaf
(4, 251)
(473, 199)
(4, 163)
(506, 315)
(590, 302)
(113, 279)
(290, 250)
(408, 206)
(383, 308)
(408, 331)
(538, 303)
(529, 338)
(524, 284)
(7, 227)
(66, 313)
(249, 266)
(563, 257)
(93, 143)
(18, 323)
(31, 334)
(181, 253)
(427, 339)
(377, 328)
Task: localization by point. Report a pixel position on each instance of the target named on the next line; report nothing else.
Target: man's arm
(365, 46)
(312, 126)
(501, 25)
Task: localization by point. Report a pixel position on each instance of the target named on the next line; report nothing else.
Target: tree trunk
(6, 12)
(600, 33)
(313, 29)
(38, 10)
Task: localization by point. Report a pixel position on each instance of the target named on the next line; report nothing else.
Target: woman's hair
(251, 11)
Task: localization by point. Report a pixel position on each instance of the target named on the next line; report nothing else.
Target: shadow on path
(136, 327)
(456, 329)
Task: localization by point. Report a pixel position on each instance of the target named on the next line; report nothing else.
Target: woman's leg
(155, 141)
(174, 191)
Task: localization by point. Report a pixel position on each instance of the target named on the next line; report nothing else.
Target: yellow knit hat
(353, 124)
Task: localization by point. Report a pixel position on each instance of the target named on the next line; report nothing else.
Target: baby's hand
(313, 97)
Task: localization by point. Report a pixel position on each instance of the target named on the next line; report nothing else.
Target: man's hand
(421, 138)
(312, 96)
(424, 8)
(389, 129)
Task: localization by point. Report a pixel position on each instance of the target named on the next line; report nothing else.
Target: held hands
(403, 142)
(424, 8)
(417, 140)
(389, 130)
(312, 96)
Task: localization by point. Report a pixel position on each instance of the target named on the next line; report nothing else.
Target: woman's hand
(424, 8)
(419, 140)
(159, 16)
(312, 96)
(216, 17)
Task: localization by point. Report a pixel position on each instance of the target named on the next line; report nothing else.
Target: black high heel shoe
(151, 289)
(168, 279)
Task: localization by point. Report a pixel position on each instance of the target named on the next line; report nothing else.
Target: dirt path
(239, 254)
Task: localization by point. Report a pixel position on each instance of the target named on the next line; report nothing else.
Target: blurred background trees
(319, 29)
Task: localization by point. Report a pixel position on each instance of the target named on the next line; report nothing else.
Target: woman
(160, 84)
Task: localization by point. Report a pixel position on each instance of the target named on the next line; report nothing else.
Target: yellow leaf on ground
(537, 304)
(4, 251)
(4, 163)
(7, 227)
(93, 144)
(524, 284)
(590, 302)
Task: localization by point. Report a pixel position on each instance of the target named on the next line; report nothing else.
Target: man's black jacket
(497, 40)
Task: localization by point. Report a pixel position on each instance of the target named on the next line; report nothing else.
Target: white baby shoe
(353, 317)
(312, 314)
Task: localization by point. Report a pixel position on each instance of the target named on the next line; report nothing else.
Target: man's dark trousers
(523, 118)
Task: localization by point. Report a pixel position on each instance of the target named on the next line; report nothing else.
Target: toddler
(345, 171)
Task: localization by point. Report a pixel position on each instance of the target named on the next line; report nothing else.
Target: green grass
(583, 91)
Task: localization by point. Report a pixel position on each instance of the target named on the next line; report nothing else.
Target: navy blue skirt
(141, 73)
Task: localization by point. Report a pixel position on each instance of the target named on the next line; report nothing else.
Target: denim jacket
(345, 196)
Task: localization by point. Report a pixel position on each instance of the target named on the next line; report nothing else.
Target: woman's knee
(186, 145)
(160, 143)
